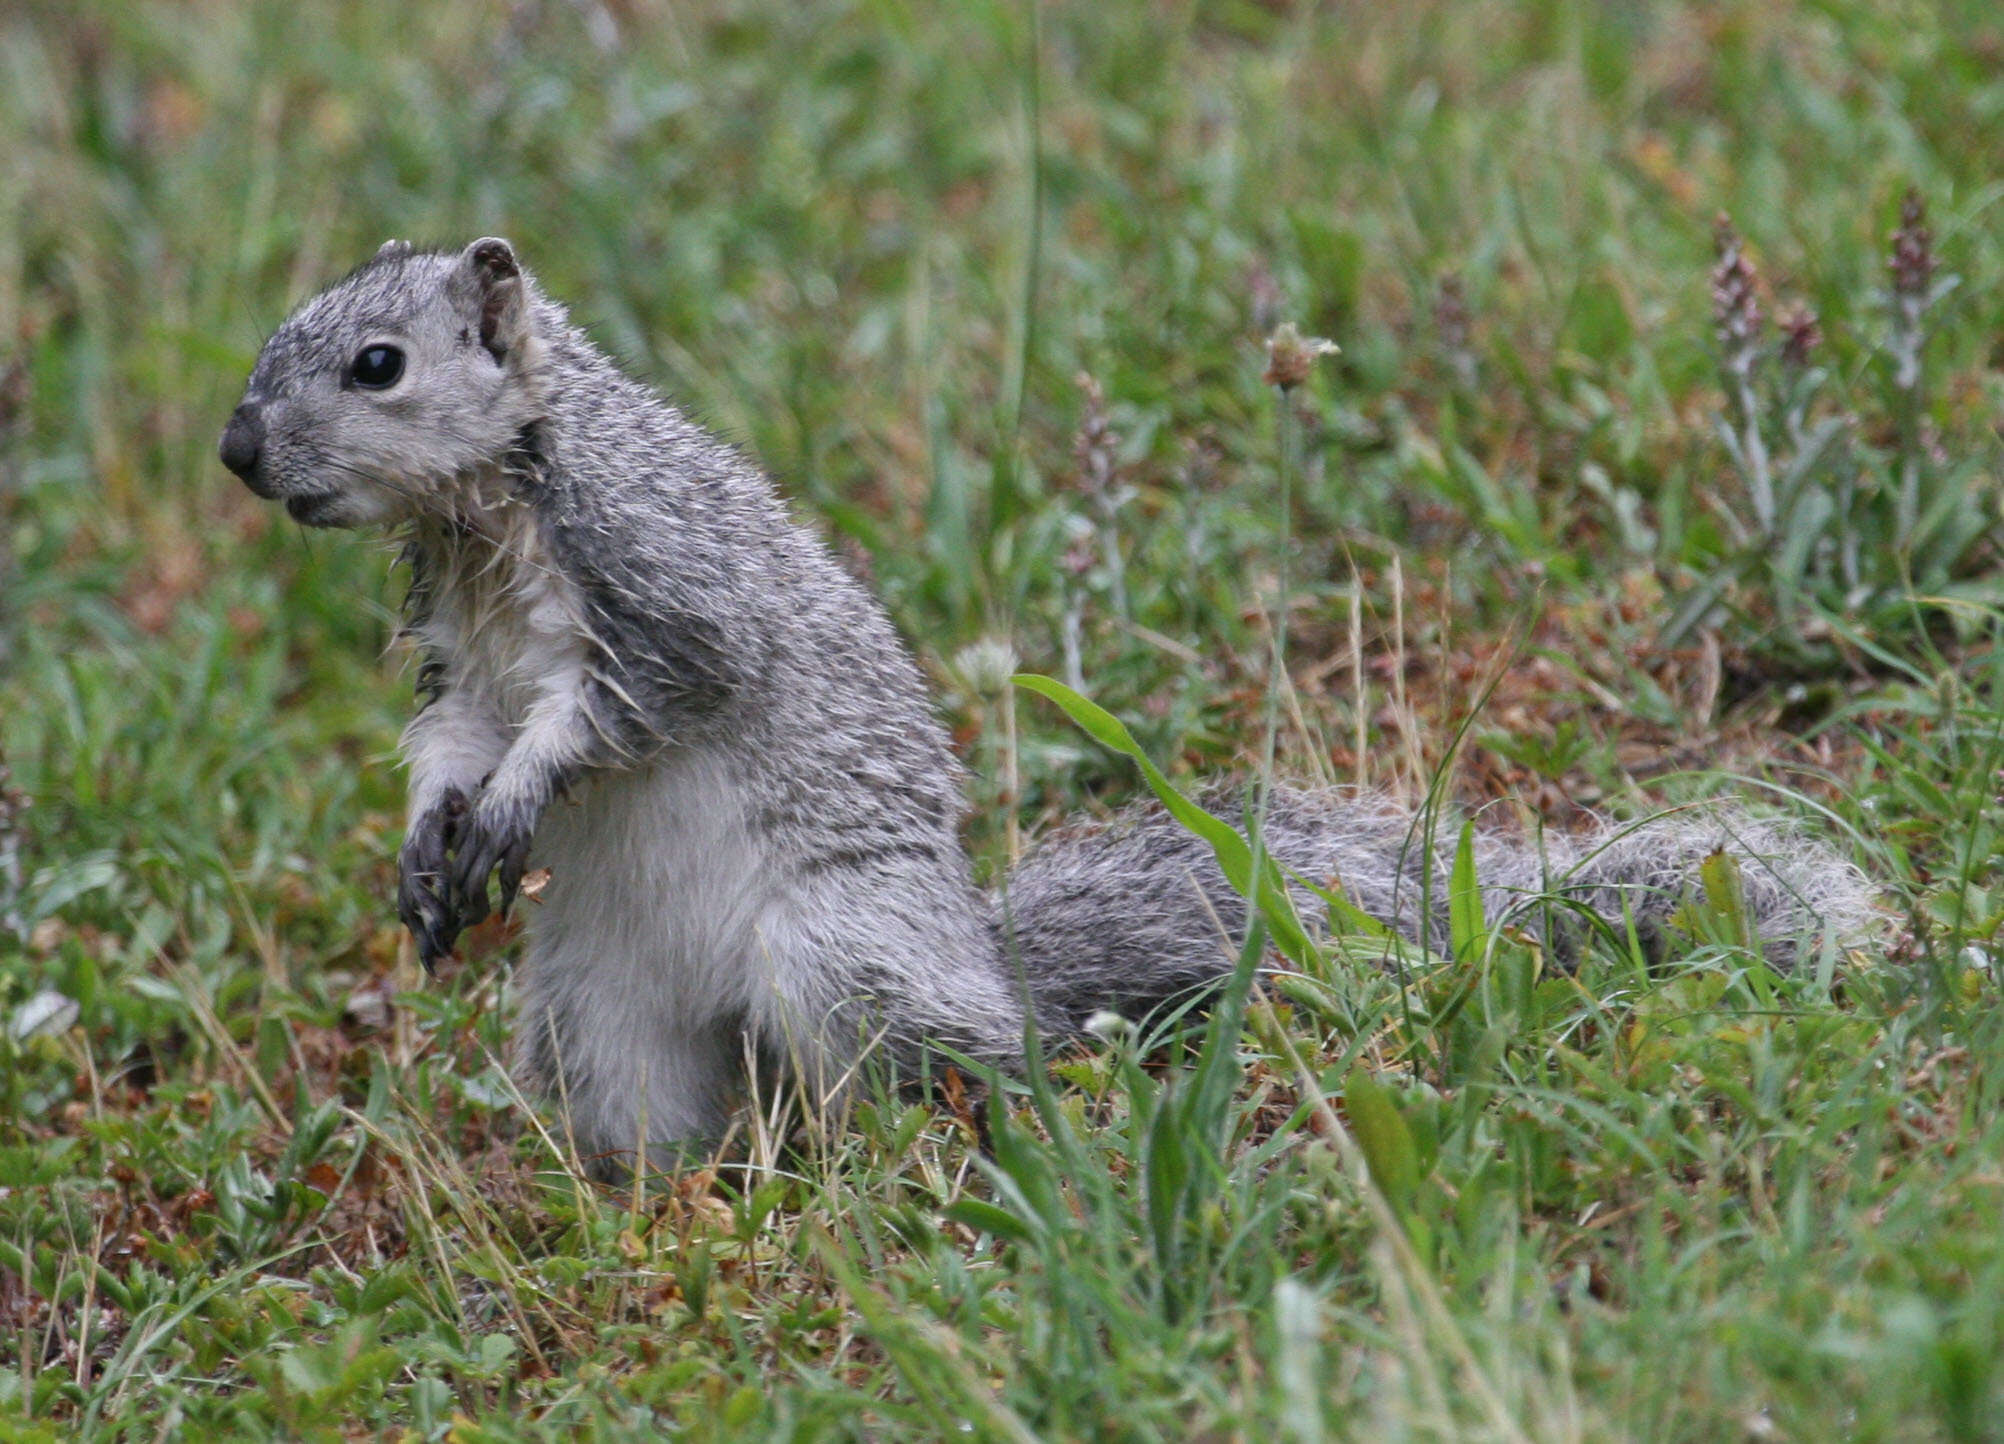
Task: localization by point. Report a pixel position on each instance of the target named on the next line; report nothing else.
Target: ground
(1605, 505)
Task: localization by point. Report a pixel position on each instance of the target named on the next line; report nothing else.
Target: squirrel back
(637, 670)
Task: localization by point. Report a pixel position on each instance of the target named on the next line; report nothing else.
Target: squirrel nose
(243, 439)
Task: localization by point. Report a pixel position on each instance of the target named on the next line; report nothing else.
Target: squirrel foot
(493, 839)
(424, 899)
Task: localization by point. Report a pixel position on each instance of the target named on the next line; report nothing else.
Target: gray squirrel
(638, 669)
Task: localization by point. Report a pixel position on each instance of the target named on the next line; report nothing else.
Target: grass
(257, 1177)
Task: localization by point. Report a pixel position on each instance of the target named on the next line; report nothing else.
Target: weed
(1842, 532)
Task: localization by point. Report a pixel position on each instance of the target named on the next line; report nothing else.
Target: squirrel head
(382, 393)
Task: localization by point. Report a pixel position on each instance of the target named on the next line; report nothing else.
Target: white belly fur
(643, 959)
(656, 890)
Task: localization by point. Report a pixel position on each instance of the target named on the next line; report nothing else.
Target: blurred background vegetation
(985, 287)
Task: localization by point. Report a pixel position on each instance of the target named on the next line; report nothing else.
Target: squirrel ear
(393, 248)
(500, 296)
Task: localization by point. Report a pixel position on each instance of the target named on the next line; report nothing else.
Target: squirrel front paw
(424, 891)
(493, 840)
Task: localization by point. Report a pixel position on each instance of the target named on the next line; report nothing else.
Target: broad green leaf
(1167, 1177)
(1466, 928)
(1346, 916)
(985, 1217)
(1234, 854)
(1382, 1133)
(1719, 873)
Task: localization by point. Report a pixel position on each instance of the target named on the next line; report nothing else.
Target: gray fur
(638, 670)
(1086, 956)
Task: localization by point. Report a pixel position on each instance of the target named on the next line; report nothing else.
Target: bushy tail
(1136, 913)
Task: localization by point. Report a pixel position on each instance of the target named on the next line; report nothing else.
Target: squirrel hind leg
(631, 1087)
(880, 1040)
(868, 963)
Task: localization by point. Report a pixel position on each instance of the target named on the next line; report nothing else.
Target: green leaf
(1466, 928)
(985, 1217)
(1719, 874)
(1807, 521)
(494, 1354)
(1382, 1133)
(1706, 595)
(1234, 854)
(1815, 448)
(743, 1407)
(1167, 1172)
(1346, 916)
(1597, 323)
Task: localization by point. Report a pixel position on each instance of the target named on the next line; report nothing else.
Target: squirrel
(639, 670)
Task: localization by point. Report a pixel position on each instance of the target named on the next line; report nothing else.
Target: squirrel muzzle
(243, 442)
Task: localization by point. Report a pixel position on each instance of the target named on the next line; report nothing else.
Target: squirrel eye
(377, 367)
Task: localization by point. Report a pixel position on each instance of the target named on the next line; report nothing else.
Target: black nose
(243, 439)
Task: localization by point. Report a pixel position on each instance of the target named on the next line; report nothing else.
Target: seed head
(12, 804)
(1736, 318)
(986, 666)
(1912, 261)
(1109, 1025)
(1911, 266)
(1290, 356)
(1095, 443)
(1800, 335)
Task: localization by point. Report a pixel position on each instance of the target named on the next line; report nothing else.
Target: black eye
(378, 366)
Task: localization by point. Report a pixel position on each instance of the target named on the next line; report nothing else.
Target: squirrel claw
(493, 837)
(431, 923)
(429, 918)
(469, 889)
(429, 948)
(423, 902)
(514, 862)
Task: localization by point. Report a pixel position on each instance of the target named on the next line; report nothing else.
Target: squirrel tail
(1135, 914)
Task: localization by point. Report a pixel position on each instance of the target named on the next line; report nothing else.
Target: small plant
(12, 804)
(1095, 448)
(1843, 519)
(1552, 755)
